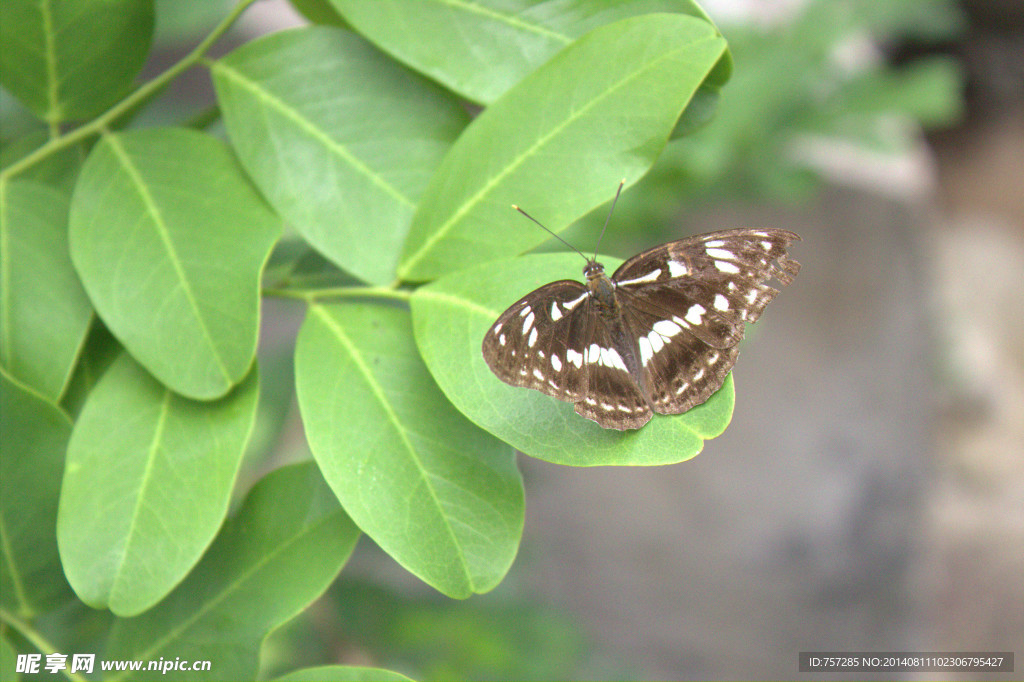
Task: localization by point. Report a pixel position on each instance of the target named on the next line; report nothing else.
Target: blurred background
(869, 494)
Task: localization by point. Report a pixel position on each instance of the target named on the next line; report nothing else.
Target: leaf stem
(141, 94)
(36, 639)
(311, 295)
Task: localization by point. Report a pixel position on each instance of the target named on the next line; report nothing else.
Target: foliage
(135, 258)
(351, 179)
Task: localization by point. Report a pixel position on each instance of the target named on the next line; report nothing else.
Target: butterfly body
(659, 335)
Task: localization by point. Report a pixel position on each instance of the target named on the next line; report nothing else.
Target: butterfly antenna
(606, 220)
(550, 232)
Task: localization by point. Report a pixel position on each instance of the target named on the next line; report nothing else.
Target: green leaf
(339, 138)
(343, 673)
(148, 480)
(438, 494)
(44, 313)
(169, 240)
(33, 436)
(271, 560)
(71, 59)
(481, 49)
(318, 12)
(450, 318)
(630, 82)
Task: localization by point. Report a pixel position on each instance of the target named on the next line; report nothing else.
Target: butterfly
(659, 335)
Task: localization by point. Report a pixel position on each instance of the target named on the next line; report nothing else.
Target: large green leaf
(271, 560)
(629, 83)
(68, 59)
(451, 317)
(340, 139)
(438, 494)
(169, 239)
(44, 313)
(33, 437)
(481, 49)
(148, 480)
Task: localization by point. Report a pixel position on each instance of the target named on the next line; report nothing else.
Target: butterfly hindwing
(615, 397)
(679, 370)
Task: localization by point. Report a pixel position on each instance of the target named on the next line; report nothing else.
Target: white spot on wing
(569, 305)
(657, 342)
(497, 328)
(666, 328)
(528, 322)
(767, 246)
(721, 254)
(695, 313)
(556, 314)
(501, 339)
(721, 302)
(725, 266)
(537, 373)
(646, 352)
(593, 354)
(533, 338)
(714, 243)
(699, 374)
(574, 357)
(677, 269)
(556, 363)
(525, 311)
(611, 358)
(649, 277)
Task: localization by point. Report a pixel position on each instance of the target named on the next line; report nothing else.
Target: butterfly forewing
(663, 340)
(531, 343)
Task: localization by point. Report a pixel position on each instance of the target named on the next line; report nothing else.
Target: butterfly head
(593, 270)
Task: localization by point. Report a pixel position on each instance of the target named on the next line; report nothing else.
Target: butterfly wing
(613, 397)
(687, 302)
(553, 340)
(530, 346)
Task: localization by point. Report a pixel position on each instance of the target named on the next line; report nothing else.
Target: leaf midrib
(172, 255)
(144, 485)
(305, 124)
(508, 19)
(396, 423)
